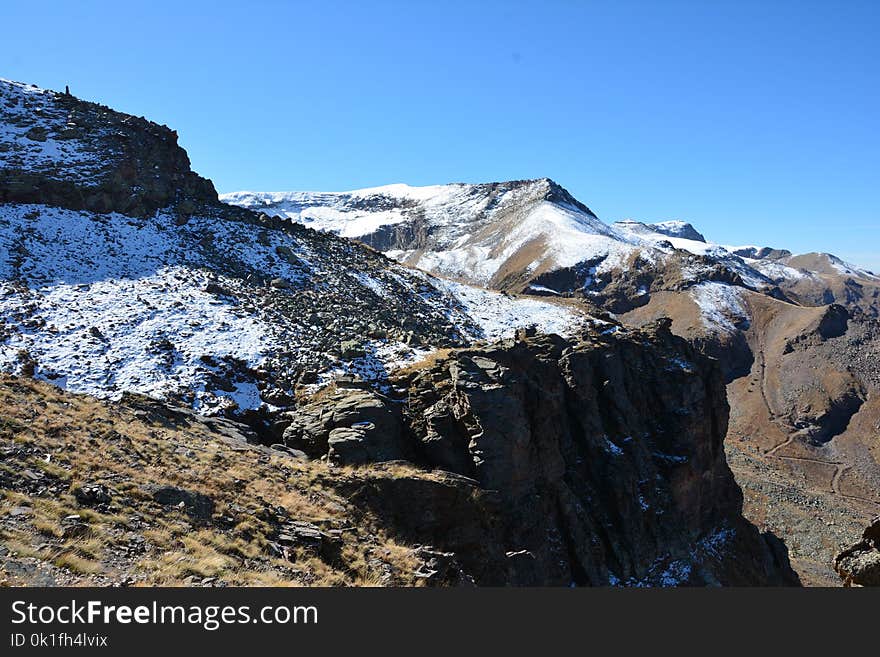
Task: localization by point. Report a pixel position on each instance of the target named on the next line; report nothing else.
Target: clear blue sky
(757, 121)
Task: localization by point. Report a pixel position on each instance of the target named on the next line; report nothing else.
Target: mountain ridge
(555, 193)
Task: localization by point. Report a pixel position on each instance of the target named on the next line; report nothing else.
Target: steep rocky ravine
(803, 386)
(600, 461)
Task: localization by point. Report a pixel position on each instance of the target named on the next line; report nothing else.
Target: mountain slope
(133, 493)
(137, 492)
(533, 236)
(120, 270)
(803, 386)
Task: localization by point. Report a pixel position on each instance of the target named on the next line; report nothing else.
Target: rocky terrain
(805, 428)
(534, 461)
(548, 422)
(534, 236)
(58, 150)
(121, 271)
(137, 493)
(500, 235)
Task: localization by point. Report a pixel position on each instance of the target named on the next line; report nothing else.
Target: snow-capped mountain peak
(492, 234)
(676, 229)
(533, 236)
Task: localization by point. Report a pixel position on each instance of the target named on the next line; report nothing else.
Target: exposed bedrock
(593, 461)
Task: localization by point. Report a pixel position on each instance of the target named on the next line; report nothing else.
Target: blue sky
(757, 121)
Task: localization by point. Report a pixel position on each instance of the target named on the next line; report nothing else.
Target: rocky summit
(452, 385)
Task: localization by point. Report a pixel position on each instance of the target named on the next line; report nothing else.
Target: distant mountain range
(533, 236)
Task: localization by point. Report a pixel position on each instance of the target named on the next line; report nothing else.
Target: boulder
(308, 377)
(37, 134)
(277, 397)
(351, 426)
(439, 568)
(350, 349)
(305, 535)
(92, 495)
(73, 526)
(295, 453)
(348, 446)
(859, 564)
(196, 505)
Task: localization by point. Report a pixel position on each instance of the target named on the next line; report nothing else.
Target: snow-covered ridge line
(475, 232)
(471, 232)
(24, 87)
(394, 190)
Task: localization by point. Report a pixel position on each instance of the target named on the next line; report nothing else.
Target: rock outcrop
(594, 461)
(860, 564)
(98, 159)
(351, 426)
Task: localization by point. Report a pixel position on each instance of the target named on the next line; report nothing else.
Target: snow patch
(721, 306)
(499, 315)
(38, 135)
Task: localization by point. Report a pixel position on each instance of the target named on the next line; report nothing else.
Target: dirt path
(774, 417)
(762, 364)
(839, 470)
(835, 480)
(788, 441)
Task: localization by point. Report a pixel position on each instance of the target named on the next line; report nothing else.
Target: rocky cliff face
(803, 386)
(593, 461)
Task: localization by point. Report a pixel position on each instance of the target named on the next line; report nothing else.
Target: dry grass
(425, 363)
(77, 564)
(71, 440)
(22, 548)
